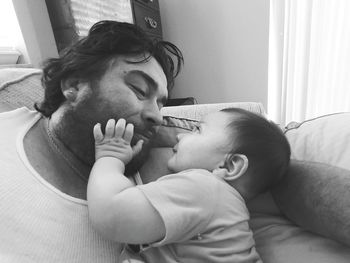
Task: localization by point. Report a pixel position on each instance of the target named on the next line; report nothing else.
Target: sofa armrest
(196, 111)
(20, 87)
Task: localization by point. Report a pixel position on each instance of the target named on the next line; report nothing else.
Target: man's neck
(54, 162)
(74, 136)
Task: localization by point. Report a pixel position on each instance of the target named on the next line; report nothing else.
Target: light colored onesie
(206, 220)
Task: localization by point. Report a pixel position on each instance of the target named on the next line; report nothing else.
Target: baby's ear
(233, 168)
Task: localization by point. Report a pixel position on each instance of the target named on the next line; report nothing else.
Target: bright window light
(9, 28)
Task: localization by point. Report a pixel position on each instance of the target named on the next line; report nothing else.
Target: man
(117, 71)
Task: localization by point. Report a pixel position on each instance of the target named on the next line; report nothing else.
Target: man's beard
(75, 131)
(136, 163)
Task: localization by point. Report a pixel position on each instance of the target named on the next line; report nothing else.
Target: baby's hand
(116, 141)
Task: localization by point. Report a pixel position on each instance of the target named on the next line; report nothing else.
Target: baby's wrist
(100, 155)
(122, 157)
(118, 164)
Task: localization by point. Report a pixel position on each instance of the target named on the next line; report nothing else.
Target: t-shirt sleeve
(185, 201)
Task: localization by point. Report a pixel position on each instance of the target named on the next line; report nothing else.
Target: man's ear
(233, 168)
(70, 88)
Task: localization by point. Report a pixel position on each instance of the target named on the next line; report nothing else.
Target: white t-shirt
(206, 220)
(39, 223)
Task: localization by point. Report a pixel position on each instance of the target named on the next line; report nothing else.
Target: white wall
(225, 45)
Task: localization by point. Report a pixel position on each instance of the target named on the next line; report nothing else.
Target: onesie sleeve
(185, 201)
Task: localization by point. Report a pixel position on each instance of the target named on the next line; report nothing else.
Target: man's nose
(152, 114)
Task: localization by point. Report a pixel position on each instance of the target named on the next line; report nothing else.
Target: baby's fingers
(137, 147)
(120, 128)
(98, 133)
(129, 132)
(110, 126)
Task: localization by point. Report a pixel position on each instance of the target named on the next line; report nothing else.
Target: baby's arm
(117, 209)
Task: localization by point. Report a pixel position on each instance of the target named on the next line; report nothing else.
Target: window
(10, 33)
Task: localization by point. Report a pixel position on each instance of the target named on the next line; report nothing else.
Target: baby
(198, 213)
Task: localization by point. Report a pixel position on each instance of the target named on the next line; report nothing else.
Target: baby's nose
(179, 136)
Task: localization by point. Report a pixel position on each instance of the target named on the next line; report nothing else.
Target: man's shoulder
(17, 113)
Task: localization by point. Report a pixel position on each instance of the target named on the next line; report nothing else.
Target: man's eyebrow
(150, 82)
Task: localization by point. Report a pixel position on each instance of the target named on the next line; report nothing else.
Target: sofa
(278, 240)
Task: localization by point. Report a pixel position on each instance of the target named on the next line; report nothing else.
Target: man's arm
(317, 197)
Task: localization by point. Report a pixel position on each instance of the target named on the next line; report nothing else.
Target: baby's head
(264, 145)
(245, 149)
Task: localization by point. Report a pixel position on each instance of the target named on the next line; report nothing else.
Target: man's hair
(90, 57)
(265, 146)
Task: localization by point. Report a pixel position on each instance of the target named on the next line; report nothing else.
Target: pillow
(325, 139)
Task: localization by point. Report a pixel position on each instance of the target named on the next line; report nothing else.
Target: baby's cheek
(170, 163)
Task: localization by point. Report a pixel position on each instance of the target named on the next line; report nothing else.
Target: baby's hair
(265, 146)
